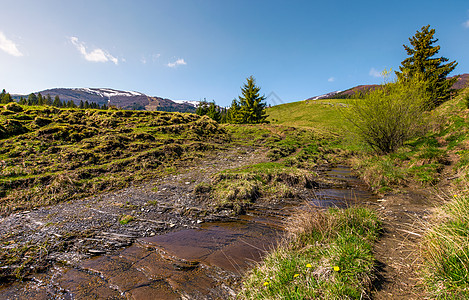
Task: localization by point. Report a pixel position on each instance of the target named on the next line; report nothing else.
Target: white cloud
(375, 73)
(466, 24)
(331, 79)
(8, 46)
(155, 57)
(96, 55)
(177, 63)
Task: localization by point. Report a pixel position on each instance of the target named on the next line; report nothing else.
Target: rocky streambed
(156, 240)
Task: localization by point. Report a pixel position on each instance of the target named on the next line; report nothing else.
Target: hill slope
(320, 114)
(121, 99)
(70, 153)
(461, 83)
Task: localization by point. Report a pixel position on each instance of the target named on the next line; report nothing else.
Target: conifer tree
(32, 99)
(252, 107)
(214, 112)
(232, 114)
(48, 100)
(202, 108)
(423, 65)
(57, 102)
(6, 98)
(40, 99)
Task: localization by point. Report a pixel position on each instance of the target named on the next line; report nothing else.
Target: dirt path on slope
(397, 249)
(405, 217)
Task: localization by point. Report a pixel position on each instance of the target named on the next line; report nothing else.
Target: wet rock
(186, 266)
(96, 251)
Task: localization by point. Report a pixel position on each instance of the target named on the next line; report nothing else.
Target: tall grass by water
(445, 250)
(326, 255)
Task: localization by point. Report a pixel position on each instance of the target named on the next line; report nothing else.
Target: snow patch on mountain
(193, 103)
(108, 93)
(325, 95)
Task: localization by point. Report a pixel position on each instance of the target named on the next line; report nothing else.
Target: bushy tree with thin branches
(389, 115)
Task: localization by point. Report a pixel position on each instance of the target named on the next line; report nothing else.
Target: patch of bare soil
(405, 216)
(397, 249)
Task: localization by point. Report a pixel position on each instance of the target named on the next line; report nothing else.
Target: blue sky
(198, 49)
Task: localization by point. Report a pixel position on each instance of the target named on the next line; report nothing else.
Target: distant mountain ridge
(118, 98)
(462, 82)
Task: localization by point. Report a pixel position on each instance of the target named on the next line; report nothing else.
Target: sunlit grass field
(321, 114)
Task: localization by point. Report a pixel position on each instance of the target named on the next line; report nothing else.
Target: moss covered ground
(48, 155)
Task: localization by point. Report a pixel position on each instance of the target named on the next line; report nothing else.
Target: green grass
(324, 116)
(419, 161)
(48, 155)
(328, 255)
(320, 114)
(293, 154)
(126, 219)
(446, 251)
(270, 180)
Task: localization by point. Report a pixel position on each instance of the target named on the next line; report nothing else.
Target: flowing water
(202, 263)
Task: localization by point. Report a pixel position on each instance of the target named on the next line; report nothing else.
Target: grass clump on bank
(291, 156)
(244, 185)
(326, 255)
(445, 250)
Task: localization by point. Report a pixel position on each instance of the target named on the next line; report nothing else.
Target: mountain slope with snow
(121, 99)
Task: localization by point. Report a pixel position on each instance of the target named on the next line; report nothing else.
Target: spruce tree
(252, 107)
(214, 112)
(423, 65)
(5, 98)
(57, 102)
(40, 99)
(32, 99)
(232, 115)
(48, 100)
(202, 108)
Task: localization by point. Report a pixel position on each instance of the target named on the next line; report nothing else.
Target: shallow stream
(202, 263)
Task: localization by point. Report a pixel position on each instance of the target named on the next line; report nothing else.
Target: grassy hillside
(320, 114)
(49, 154)
(437, 159)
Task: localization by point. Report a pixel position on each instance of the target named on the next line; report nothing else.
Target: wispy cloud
(375, 73)
(178, 62)
(466, 24)
(8, 46)
(153, 57)
(96, 55)
(331, 79)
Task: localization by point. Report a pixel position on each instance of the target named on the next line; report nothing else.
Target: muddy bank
(173, 246)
